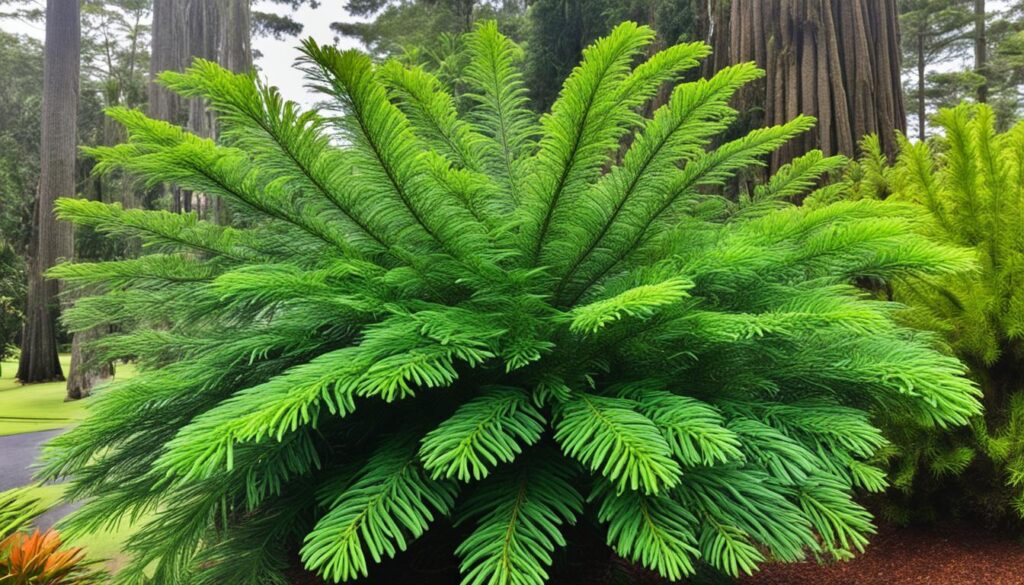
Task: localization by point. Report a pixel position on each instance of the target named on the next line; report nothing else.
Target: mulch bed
(950, 555)
(953, 555)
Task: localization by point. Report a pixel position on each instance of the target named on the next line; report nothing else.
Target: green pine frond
(608, 436)
(483, 433)
(519, 514)
(640, 301)
(391, 502)
(501, 114)
(654, 531)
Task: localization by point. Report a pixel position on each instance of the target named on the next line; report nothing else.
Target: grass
(41, 407)
(103, 546)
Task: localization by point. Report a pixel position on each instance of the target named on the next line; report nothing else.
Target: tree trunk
(236, 36)
(52, 239)
(235, 54)
(922, 111)
(981, 49)
(837, 60)
(182, 31)
(39, 361)
(86, 369)
(167, 53)
(85, 372)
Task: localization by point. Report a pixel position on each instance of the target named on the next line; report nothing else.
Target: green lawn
(40, 407)
(104, 547)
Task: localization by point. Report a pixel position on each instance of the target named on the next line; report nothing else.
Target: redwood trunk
(167, 53)
(838, 60)
(52, 240)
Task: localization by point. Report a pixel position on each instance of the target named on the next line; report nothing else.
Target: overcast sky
(277, 56)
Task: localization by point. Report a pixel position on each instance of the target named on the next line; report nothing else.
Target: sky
(278, 57)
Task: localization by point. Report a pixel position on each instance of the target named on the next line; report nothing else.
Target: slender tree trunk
(167, 53)
(235, 54)
(52, 239)
(86, 371)
(203, 31)
(838, 60)
(981, 49)
(922, 111)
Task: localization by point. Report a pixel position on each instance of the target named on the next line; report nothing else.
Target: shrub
(970, 181)
(37, 559)
(490, 320)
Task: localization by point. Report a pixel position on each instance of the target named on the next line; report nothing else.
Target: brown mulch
(953, 555)
(950, 555)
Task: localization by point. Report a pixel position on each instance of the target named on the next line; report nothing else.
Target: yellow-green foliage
(971, 182)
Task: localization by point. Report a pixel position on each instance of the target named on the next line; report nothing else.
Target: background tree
(981, 49)
(114, 66)
(558, 30)
(837, 60)
(932, 31)
(52, 240)
(957, 50)
(221, 31)
(394, 27)
(21, 68)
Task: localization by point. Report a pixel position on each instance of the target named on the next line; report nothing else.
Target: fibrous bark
(182, 31)
(837, 60)
(167, 53)
(52, 240)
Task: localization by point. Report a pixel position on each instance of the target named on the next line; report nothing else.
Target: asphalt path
(18, 453)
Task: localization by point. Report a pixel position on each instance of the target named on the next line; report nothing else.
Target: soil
(951, 555)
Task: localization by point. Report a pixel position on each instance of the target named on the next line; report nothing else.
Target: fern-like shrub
(423, 319)
(970, 184)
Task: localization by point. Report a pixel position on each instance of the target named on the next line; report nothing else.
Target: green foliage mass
(487, 319)
(971, 182)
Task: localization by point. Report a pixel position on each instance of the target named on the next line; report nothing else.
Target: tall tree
(113, 73)
(167, 53)
(21, 68)
(50, 239)
(932, 31)
(981, 49)
(838, 60)
(217, 31)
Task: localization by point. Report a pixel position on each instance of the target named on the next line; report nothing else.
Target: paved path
(17, 454)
